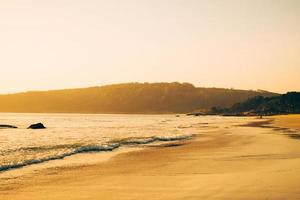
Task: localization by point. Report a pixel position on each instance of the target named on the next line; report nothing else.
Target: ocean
(71, 134)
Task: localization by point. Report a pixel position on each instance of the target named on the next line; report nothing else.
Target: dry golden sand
(233, 163)
(288, 121)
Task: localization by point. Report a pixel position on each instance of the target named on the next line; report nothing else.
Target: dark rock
(37, 126)
(7, 126)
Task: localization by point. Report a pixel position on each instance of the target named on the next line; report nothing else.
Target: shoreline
(113, 146)
(232, 163)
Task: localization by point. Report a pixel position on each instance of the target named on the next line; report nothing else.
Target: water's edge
(97, 148)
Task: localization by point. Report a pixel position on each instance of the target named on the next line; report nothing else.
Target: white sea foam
(91, 148)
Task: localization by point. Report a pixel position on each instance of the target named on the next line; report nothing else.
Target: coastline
(232, 163)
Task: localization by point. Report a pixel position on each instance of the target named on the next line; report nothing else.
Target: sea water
(70, 134)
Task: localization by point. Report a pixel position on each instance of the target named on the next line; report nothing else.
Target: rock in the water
(37, 126)
(7, 126)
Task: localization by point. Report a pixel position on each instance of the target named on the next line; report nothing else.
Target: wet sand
(232, 163)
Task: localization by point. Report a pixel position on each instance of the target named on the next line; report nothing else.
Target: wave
(93, 148)
(40, 148)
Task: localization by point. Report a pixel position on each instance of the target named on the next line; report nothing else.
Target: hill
(126, 98)
(288, 103)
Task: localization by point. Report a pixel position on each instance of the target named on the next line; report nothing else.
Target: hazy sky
(247, 44)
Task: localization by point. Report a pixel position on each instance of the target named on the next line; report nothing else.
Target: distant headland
(288, 103)
(128, 98)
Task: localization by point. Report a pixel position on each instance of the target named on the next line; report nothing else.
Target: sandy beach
(150, 100)
(239, 162)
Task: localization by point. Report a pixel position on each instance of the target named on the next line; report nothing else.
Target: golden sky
(247, 44)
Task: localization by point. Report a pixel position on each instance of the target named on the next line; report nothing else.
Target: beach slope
(239, 162)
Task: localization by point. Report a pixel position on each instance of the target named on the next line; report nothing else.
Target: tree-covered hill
(127, 98)
(288, 103)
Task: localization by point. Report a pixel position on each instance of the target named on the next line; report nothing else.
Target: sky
(243, 44)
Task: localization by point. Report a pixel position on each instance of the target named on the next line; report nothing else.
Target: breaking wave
(77, 149)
